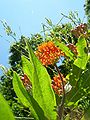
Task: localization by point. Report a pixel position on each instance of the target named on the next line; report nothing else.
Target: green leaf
(74, 75)
(85, 78)
(26, 99)
(79, 80)
(49, 22)
(79, 77)
(74, 79)
(82, 58)
(67, 117)
(5, 112)
(70, 103)
(41, 84)
(65, 49)
(86, 115)
(27, 67)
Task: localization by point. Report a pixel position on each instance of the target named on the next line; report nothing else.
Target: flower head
(48, 53)
(57, 84)
(80, 29)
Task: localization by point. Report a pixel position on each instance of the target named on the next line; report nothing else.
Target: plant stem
(61, 106)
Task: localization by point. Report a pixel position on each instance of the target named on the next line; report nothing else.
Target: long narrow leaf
(65, 49)
(26, 98)
(41, 83)
(27, 67)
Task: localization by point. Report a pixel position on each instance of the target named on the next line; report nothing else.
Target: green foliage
(26, 99)
(41, 100)
(65, 49)
(41, 87)
(41, 82)
(87, 10)
(6, 88)
(49, 22)
(5, 112)
(86, 115)
(6, 84)
(79, 75)
(19, 48)
(26, 66)
(16, 50)
(82, 57)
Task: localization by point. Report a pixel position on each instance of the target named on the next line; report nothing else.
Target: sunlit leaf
(74, 79)
(5, 112)
(27, 67)
(65, 49)
(41, 84)
(82, 58)
(26, 99)
(79, 80)
(86, 115)
(67, 117)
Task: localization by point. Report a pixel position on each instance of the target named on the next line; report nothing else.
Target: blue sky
(25, 17)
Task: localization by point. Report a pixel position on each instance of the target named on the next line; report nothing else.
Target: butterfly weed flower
(48, 53)
(57, 84)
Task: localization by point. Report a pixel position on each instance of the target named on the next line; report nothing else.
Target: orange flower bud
(57, 84)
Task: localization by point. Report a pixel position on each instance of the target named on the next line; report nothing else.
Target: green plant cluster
(41, 101)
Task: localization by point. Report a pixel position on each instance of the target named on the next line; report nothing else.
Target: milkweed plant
(56, 97)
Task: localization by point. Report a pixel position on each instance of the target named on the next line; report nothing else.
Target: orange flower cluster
(48, 53)
(26, 82)
(72, 48)
(57, 84)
